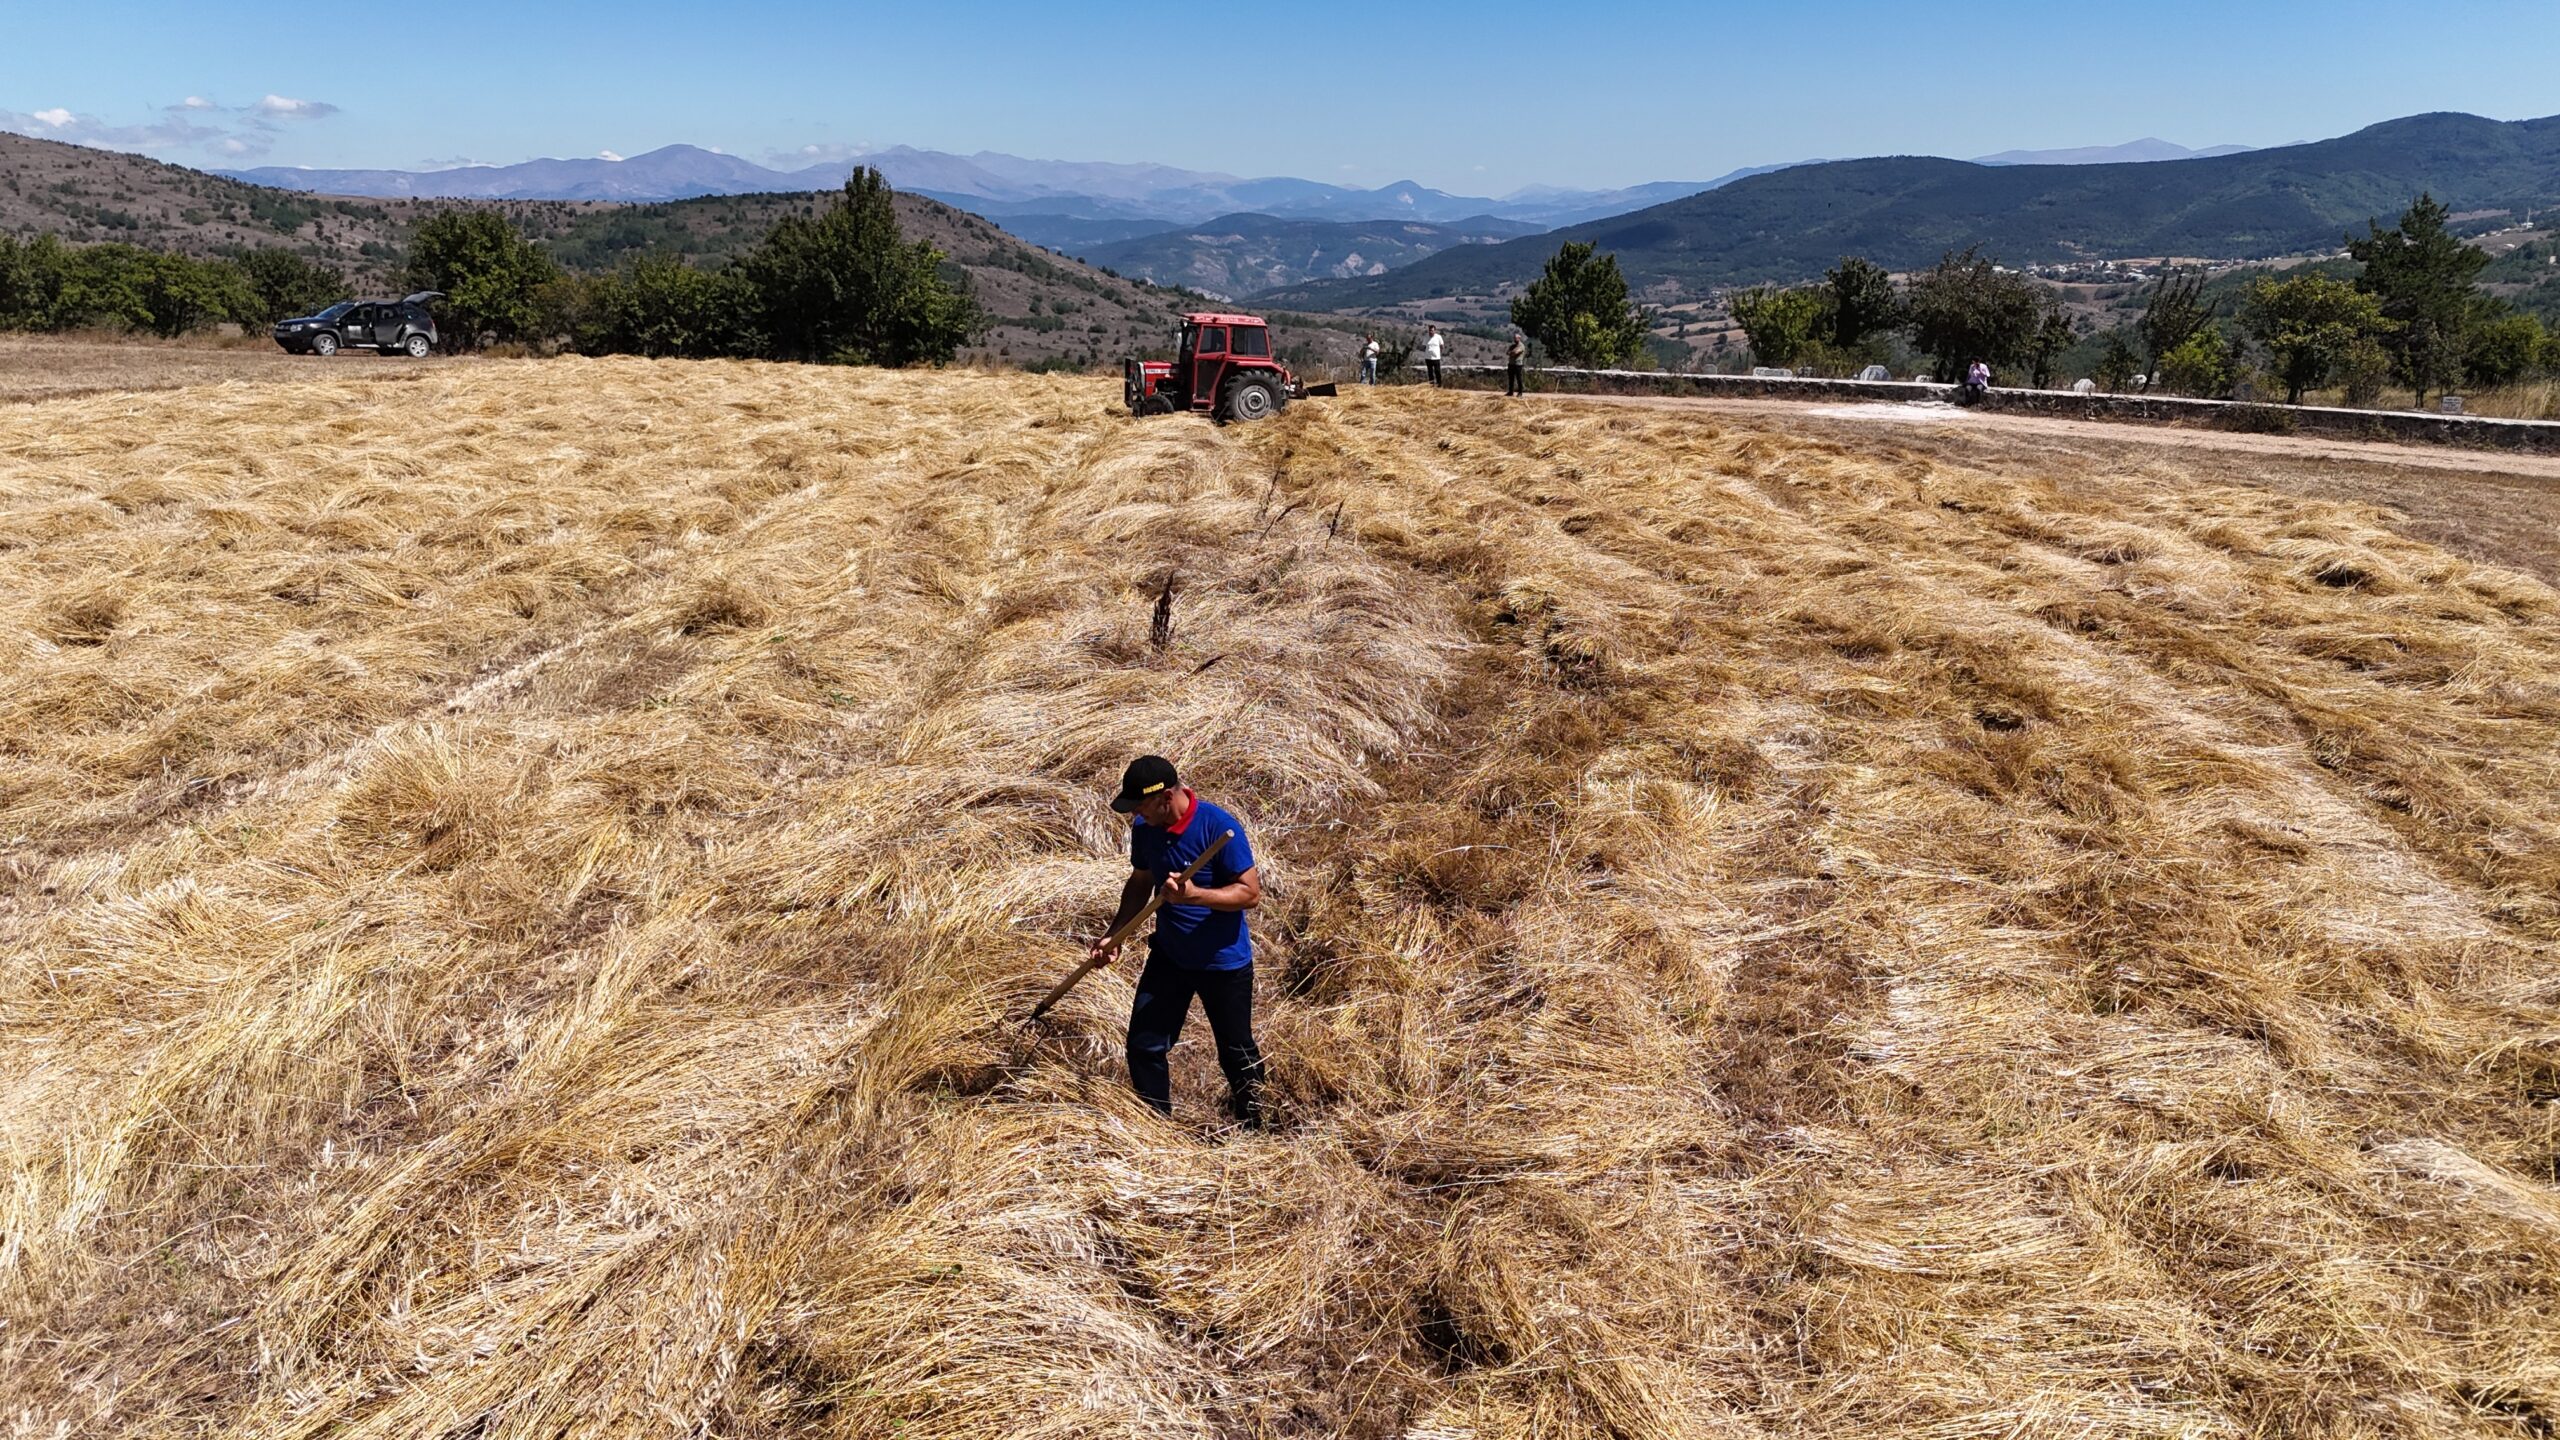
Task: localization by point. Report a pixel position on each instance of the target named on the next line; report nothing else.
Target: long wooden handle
(1125, 928)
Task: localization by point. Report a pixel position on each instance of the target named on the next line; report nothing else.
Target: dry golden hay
(520, 886)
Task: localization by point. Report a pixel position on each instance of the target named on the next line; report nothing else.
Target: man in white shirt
(1369, 360)
(1431, 354)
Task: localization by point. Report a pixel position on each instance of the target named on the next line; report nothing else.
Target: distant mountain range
(2131, 152)
(1238, 255)
(1000, 187)
(1905, 212)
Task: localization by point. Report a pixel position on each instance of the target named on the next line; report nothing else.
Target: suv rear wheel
(417, 345)
(324, 344)
(1251, 397)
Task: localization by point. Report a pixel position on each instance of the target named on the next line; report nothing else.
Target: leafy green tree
(2117, 362)
(2422, 275)
(2306, 324)
(845, 287)
(286, 284)
(2174, 314)
(2362, 370)
(1781, 324)
(2503, 348)
(2054, 334)
(1966, 307)
(1579, 310)
(659, 306)
(493, 278)
(2201, 365)
(1862, 302)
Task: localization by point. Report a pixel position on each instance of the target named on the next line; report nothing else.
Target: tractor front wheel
(1250, 397)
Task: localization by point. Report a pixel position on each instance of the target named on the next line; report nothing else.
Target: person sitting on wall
(1977, 383)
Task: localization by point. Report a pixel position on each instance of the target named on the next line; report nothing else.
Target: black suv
(385, 325)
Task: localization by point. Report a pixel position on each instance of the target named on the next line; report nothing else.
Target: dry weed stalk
(522, 888)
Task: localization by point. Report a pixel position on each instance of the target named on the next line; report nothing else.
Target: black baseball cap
(1145, 776)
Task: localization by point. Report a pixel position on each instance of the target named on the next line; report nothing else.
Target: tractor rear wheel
(1251, 397)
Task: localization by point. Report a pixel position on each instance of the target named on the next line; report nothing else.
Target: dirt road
(2480, 503)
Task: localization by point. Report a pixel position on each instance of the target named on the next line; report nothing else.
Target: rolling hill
(1045, 307)
(1905, 211)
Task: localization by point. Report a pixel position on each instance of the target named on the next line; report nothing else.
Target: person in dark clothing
(1519, 355)
(1200, 945)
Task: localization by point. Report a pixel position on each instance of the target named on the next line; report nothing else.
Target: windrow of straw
(524, 891)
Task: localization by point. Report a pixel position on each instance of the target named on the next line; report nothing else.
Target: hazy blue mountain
(2132, 151)
(995, 185)
(674, 172)
(1234, 256)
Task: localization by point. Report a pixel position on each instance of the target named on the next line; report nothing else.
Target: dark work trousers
(1155, 1021)
(1513, 385)
(1434, 367)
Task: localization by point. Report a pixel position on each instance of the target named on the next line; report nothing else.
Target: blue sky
(1478, 97)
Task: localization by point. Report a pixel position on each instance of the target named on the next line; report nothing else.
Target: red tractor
(1222, 369)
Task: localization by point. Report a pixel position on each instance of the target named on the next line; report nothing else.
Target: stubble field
(518, 888)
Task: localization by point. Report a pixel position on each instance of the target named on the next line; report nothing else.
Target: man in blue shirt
(1200, 945)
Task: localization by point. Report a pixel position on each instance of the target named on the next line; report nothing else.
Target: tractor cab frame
(1221, 367)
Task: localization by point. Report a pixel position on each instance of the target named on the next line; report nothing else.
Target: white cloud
(192, 102)
(61, 123)
(234, 145)
(607, 155)
(816, 154)
(288, 109)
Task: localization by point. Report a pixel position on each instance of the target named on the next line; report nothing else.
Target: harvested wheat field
(519, 887)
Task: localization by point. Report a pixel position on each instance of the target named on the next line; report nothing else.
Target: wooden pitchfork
(1123, 930)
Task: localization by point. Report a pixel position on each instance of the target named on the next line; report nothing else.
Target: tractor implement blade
(1327, 389)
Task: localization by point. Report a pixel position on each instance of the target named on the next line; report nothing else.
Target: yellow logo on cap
(1150, 790)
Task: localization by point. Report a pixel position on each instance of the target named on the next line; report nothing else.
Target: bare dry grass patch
(526, 884)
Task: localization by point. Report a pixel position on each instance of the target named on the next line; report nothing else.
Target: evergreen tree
(2173, 316)
(2053, 336)
(1862, 301)
(845, 287)
(2422, 276)
(1579, 310)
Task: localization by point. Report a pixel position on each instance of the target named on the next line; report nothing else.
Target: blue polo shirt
(1196, 937)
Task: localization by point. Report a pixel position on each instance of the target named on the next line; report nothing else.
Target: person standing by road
(1519, 356)
(1200, 946)
(1369, 360)
(1431, 354)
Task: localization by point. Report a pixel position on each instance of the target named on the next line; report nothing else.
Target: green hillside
(1903, 212)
